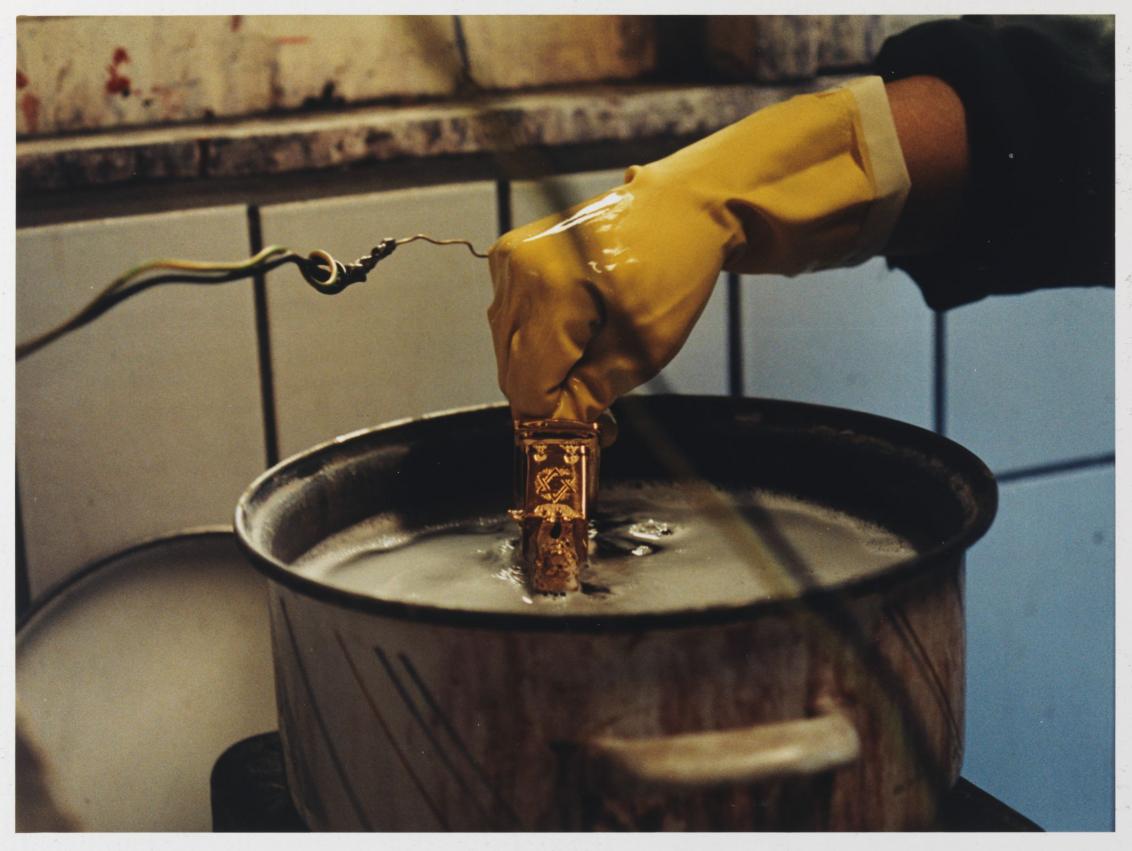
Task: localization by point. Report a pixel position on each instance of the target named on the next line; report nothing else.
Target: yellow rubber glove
(595, 301)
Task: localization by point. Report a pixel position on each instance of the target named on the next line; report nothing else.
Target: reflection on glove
(595, 301)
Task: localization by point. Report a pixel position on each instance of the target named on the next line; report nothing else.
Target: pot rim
(58, 591)
(975, 473)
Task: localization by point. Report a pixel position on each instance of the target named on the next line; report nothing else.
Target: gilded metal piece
(555, 477)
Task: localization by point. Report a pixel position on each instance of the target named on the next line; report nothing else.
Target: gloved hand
(592, 302)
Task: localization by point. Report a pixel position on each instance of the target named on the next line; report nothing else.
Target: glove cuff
(884, 162)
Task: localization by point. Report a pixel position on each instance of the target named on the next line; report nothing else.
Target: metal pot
(822, 704)
(135, 674)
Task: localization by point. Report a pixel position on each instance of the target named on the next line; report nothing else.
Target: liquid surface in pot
(654, 548)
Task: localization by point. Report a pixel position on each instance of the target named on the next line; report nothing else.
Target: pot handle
(730, 757)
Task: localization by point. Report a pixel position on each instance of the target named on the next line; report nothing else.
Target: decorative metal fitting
(556, 463)
(330, 276)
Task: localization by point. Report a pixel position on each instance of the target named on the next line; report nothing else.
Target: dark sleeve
(1039, 98)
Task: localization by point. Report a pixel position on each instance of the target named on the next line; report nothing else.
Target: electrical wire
(319, 269)
(426, 238)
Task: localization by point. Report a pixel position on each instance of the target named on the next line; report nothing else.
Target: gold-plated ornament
(556, 465)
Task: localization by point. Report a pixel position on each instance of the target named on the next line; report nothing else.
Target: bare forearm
(932, 128)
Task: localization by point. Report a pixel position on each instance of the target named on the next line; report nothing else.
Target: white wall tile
(148, 419)
(411, 339)
(856, 338)
(701, 365)
(1030, 377)
(1040, 644)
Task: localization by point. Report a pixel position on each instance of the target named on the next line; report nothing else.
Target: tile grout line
(263, 344)
(23, 576)
(1038, 471)
(734, 335)
(503, 205)
(939, 372)
(462, 49)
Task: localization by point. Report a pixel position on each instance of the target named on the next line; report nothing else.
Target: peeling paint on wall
(29, 110)
(89, 73)
(118, 83)
(102, 73)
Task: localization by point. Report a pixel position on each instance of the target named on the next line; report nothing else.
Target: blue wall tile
(1030, 377)
(1040, 651)
(856, 338)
